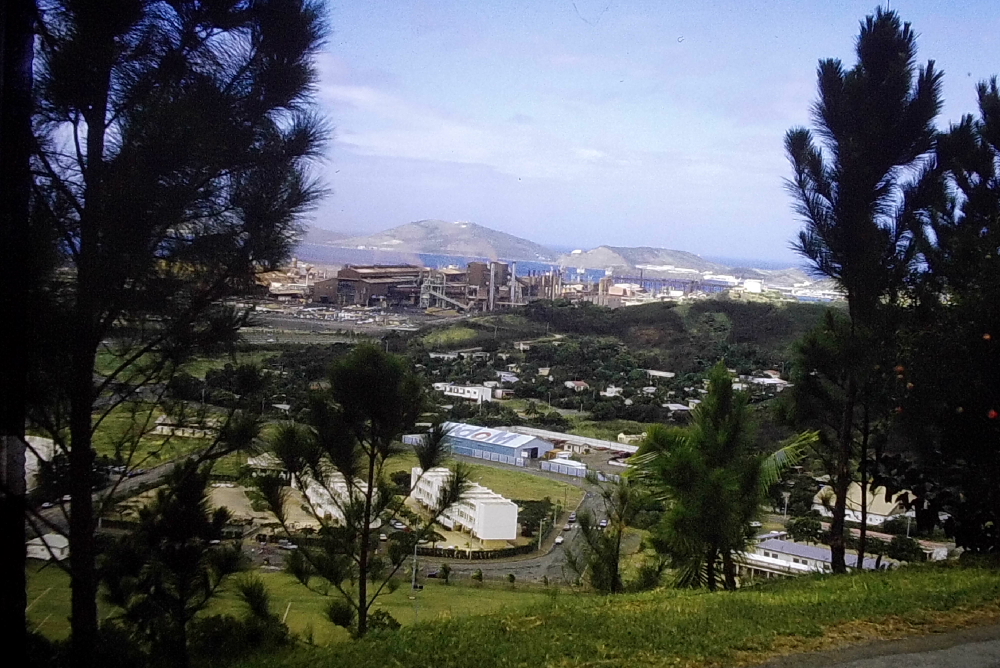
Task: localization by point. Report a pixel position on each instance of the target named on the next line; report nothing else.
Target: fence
(554, 466)
(475, 555)
(487, 455)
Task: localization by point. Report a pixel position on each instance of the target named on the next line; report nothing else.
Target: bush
(340, 613)
(381, 620)
(478, 575)
(905, 549)
(806, 529)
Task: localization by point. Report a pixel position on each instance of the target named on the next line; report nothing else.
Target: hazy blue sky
(594, 122)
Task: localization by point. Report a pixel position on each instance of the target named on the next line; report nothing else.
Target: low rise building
(480, 511)
(51, 546)
(477, 393)
(879, 508)
(773, 557)
(37, 449)
(494, 444)
(331, 498)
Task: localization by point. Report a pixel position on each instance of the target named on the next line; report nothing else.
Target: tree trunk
(86, 339)
(83, 549)
(366, 546)
(729, 570)
(863, 537)
(842, 482)
(16, 55)
(710, 568)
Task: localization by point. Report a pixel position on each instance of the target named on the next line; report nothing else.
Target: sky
(595, 122)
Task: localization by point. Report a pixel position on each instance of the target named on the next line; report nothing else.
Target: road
(977, 647)
(58, 515)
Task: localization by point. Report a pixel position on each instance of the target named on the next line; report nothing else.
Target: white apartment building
(330, 499)
(477, 393)
(481, 511)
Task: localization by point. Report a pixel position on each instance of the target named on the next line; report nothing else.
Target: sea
(322, 254)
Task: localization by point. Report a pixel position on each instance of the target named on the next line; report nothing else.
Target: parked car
(560, 540)
(432, 574)
(567, 528)
(383, 537)
(572, 517)
(603, 524)
(47, 504)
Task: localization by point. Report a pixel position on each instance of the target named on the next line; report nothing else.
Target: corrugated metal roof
(810, 552)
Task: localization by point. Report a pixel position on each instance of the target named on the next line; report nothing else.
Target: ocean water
(332, 255)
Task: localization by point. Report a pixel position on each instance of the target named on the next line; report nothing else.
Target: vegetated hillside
(685, 339)
(446, 238)
(672, 627)
(324, 237)
(622, 257)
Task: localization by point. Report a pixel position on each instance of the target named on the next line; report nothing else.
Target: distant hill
(322, 237)
(444, 238)
(619, 257)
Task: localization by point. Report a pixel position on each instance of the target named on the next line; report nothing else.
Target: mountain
(440, 237)
(651, 259)
(322, 237)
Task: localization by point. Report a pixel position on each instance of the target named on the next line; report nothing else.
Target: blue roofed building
(495, 445)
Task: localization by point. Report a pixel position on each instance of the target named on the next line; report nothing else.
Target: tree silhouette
(172, 145)
(858, 194)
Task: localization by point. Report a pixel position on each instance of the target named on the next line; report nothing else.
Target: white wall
(496, 520)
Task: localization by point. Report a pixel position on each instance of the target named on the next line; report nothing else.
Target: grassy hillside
(682, 627)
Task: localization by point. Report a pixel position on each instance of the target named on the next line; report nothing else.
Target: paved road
(58, 515)
(969, 648)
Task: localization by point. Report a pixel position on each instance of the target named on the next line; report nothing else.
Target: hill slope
(620, 257)
(444, 238)
(685, 628)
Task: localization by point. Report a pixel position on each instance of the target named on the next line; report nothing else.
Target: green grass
(506, 482)
(49, 598)
(608, 430)
(446, 337)
(197, 367)
(436, 601)
(119, 428)
(673, 627)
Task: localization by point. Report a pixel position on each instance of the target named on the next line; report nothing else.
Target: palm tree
(857, 192)
(713, 481)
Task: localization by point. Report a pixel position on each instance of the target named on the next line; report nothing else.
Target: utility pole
(540, 525)
(413, 584)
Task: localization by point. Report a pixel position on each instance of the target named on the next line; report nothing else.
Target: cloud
(374, 122)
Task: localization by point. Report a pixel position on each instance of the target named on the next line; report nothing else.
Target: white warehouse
(482, 512)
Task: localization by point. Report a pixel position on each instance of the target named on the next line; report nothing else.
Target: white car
(560, 540)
